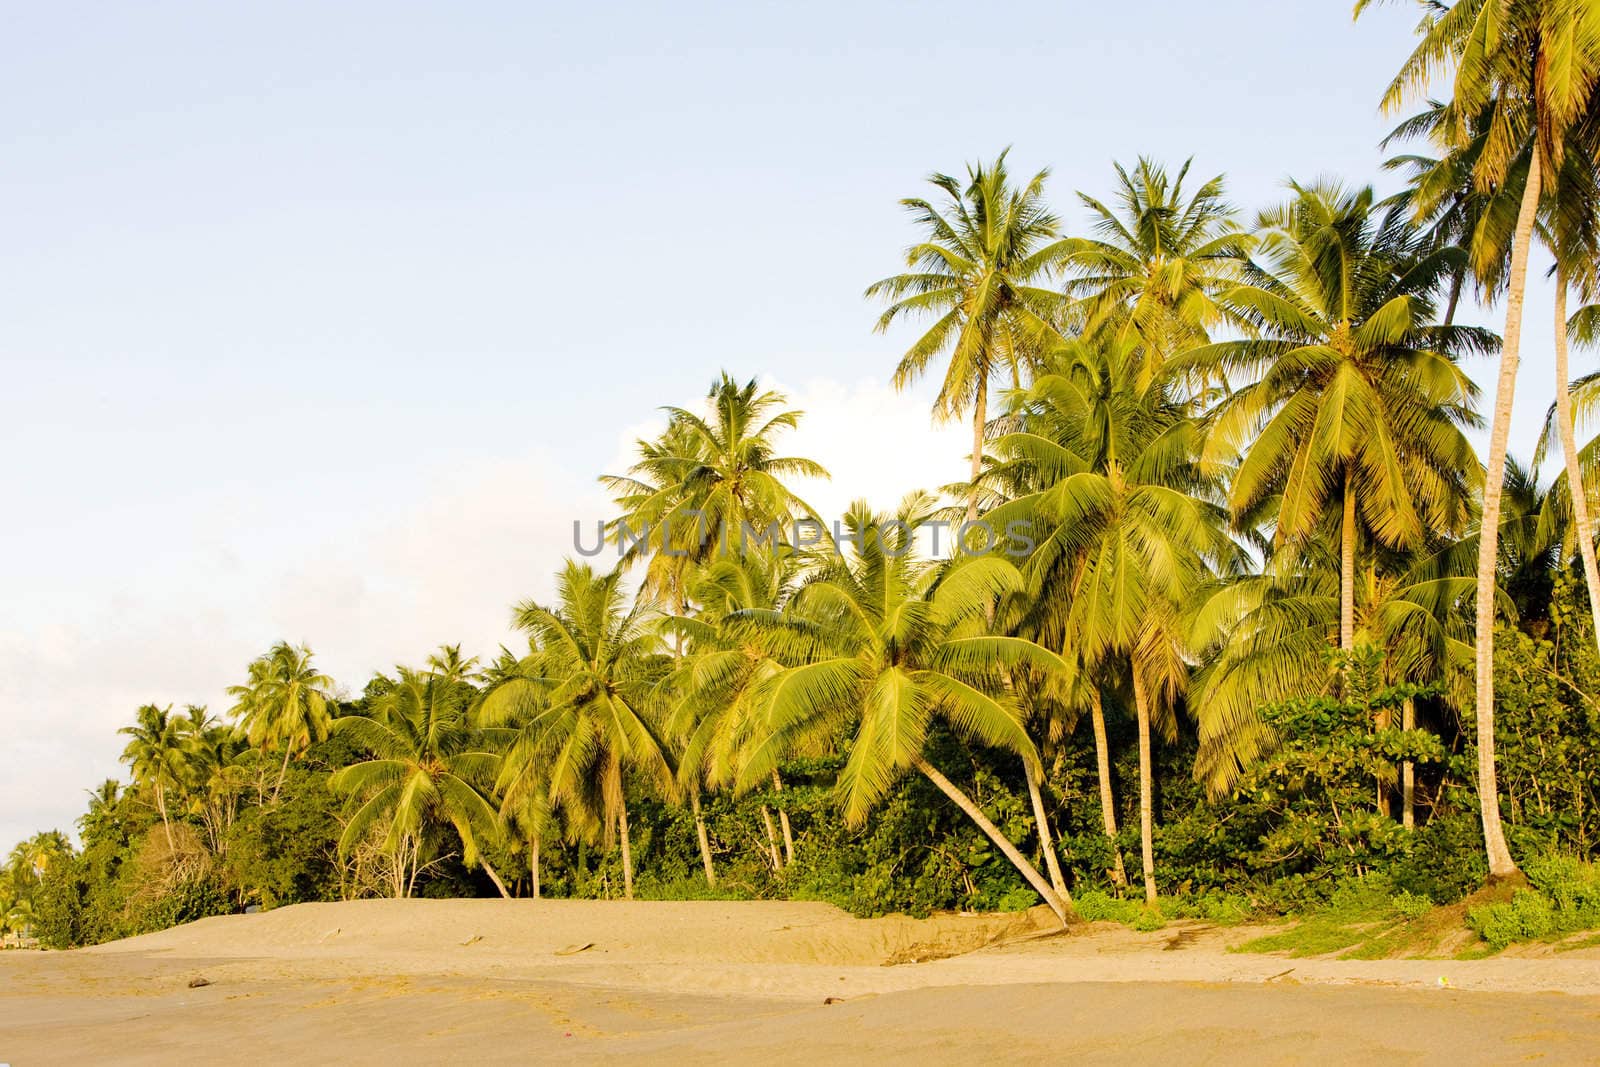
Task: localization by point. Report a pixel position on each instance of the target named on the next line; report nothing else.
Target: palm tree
(1126, 529)
(429, 769)
(988, 250)
(1352, 403)
(1158, 263)
(285, 704)
(712, 483)
(157, 753)
(601, 659)
(1531, 66)
(885, 643)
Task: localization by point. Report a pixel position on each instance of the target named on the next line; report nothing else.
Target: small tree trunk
(1494, 836)
(494, 876)
(1051, 861)
(1408, 772)
(1583, 530)
(980, 413)
(627, 850)
(1108, 811)
(772, 839)
(1347, 570)
(783, 821)
(166, 825)
(705, 839)
(1058, 904)
(1146, 788)
(533, 865)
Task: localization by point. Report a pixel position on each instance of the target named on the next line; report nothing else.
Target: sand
(514, 981)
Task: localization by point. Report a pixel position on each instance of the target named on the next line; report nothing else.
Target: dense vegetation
(1228, 615)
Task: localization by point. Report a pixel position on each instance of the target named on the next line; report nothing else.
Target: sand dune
(516, 980)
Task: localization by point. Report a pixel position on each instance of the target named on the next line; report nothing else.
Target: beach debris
(1280, 974)
(832, 1000)
(473, 940)
(199, 982)
(1444, 983)
(573, 950)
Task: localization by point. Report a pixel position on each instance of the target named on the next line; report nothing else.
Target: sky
(318, 322)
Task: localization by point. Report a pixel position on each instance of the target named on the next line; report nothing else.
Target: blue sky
(317, 321)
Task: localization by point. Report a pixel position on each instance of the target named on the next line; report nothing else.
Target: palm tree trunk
(1147, 853)
(1051, 861)
(1582, 529)
(705, 840)
(1456, 285)
(1108, 811)
(283, 770)
(1347, 570)
(772, 839)
(980, 415)
(533, 865)
(494, 876)
(627, 850)
(1059, 904)
(1408, 771)
(783, 821)
(1494, 838)
(166, 824)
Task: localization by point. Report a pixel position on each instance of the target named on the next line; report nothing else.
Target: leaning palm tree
(885, 643)
(601, 659)
(1126, 527)
(429, 768)
(1158, 263)
(982, 271)
(1531, 67)
(157, 752)
(1351, 402)
(284, 705)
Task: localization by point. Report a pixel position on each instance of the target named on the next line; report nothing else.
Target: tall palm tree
(1158, 264)
(982, 269)
(1352, 402)
(284, 705)
(157, 752)
(428, 768)
(601, 658)
(885, 643)
(1531, 66)
(1126, 529)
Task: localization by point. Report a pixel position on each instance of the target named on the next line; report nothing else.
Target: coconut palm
(1158, 263)
(601, 658)
(429, 768)
(885, 643)
(1351, 402)
(157, 752)
(284, 705)
(1125, 529)
(1531, 66)
(982, 269)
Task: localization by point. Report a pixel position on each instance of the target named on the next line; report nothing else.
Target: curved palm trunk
(1059, 904)
(1146, 788)
(1051, 861)
(980, 415)
(166, 824)
(627, 850)
(1582, 529)
(533, 865)
(1108, 812)
(1347, 570)
(1494, 838)
(494, 876)
(705, 839)
(282, 771)
(783, 821)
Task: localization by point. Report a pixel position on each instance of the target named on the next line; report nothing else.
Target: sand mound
(656, 932)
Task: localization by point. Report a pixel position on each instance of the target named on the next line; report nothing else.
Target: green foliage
(1565, 898)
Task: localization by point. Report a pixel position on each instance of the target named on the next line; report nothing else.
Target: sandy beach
(513, 981)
